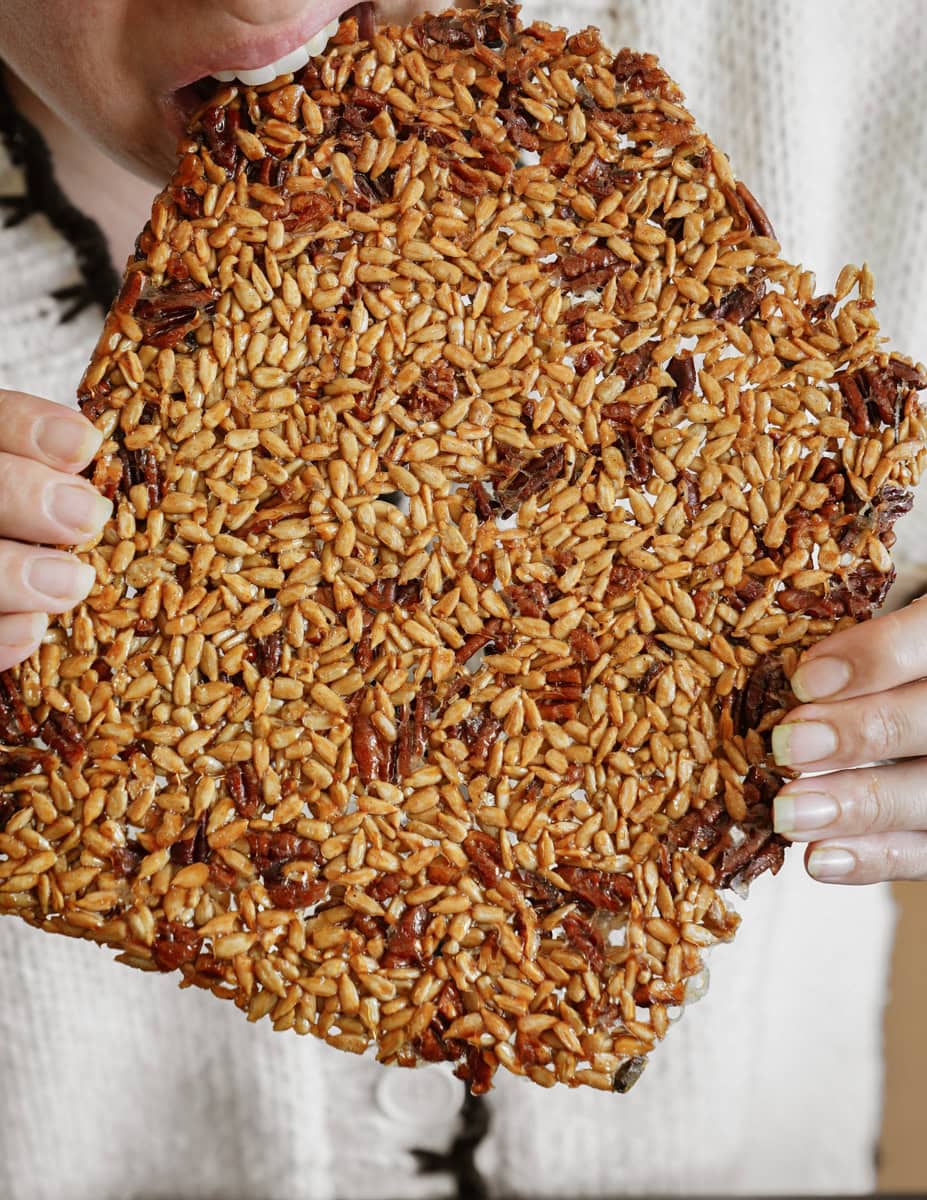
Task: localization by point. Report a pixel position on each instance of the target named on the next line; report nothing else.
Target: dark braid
(28, 150)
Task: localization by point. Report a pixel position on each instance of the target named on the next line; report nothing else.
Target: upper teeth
(288, 64)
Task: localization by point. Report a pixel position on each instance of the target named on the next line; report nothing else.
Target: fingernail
(22, 629)
(795, 812)
(67, 440)
(79, 508)
(801, 742)
(60, 577)
(820, 677)
(830, 862)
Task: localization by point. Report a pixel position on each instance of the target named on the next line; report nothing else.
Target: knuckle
(17, 421)
(876, 804)
(14, 561)
(19, 478)
(7, 408)
(10, 468)
(890, 640)
(881, 730)
(892, 861)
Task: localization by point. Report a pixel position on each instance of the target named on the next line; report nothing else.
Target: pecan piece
(584, 646)
(684, 376)
(141, 467)
(642, 73)
(603, 178)
(630, 439)
(385, 887)
(854, 402)
(61, 733)
(434, 393)
(741, 302)
(174, 945)
(493, 634)
(168, 314)
(219, 124)
(244, 788)
(194, 849)
(308, 211)
(535, 476)
(760, 851)
(268, 651)
(591, 269)
(484, 853)
(519, 128)
(600, 889)
(475, 1071)
(125, 859)
(585, 938)
(562, 694)
(699, 829)
(404, 946)
(16, 724)
(371, 751)
(754, 212)
(484, 503)
(766, 691)
(292, 893)
(273, 849)
(622, 579)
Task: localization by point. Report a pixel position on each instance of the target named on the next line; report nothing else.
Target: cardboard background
(903, 1157)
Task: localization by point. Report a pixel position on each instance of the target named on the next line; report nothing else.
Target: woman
(116, 1084)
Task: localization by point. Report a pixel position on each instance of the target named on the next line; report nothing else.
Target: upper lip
(250, 52)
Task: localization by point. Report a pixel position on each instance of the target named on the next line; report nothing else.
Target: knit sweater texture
(119, 1086)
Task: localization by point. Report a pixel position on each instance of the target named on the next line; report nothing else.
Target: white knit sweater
(115, 1085)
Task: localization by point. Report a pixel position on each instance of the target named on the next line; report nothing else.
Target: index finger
(45, 432)
(875, 656)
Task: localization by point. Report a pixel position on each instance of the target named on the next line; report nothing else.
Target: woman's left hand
(864, 695)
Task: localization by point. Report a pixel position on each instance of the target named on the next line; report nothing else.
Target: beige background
(903, 1165)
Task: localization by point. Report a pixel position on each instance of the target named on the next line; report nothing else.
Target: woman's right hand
(43, 446)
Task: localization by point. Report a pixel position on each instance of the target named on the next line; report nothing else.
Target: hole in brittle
(397, 499)
(697, 986)
(475, 662)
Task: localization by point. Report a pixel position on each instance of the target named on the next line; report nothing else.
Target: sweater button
(427, 1095)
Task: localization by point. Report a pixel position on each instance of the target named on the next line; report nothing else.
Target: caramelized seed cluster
(481, 471)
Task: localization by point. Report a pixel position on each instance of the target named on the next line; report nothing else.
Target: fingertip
(58, 581)
(780, 744)
(830, 864)
(20, 635)
(89, 447)
(820, 678)
(79, 510)
(67, 441)
(86, 578)
(783, 814)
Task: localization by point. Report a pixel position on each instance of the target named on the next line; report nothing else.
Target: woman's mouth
(288, 63)
(261, 61)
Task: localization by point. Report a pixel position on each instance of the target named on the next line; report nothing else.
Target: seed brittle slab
(481, 471)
